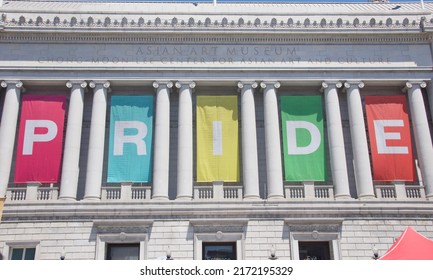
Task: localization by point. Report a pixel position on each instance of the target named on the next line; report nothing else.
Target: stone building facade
(176, 53)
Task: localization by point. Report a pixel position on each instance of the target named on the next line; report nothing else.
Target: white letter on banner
(138, 139)
(292, 148)
(30, 137)
(382, 136)
(217, 138)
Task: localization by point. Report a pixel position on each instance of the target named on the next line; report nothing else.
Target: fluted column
(274, 169)
(185, 141)
(8, 128)
(363, 177)
(250, 164)
(421, 131)
(161, 141)
(95, 158)
(336, 140)
(71, 155)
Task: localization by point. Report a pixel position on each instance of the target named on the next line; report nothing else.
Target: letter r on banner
(120, 139)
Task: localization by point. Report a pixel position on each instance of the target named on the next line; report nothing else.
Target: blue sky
(280, 1)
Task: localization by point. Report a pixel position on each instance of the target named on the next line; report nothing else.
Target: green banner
(303, 138)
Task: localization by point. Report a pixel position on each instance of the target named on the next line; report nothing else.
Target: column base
(160, 198)
(276, 197)
(343, 197)
(67, 198)
(367, 197)
(429, 197)
(184, 198)
(92, 198)
(252, 197)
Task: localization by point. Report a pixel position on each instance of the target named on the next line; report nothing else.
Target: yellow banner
(217, 139)
(2, 203)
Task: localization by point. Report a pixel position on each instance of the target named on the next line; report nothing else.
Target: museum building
(200, 130)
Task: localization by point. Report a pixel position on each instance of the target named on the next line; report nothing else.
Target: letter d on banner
(40, 139)
(304, 150)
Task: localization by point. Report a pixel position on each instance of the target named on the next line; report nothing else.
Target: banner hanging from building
(390, 138)
(303, 138)
(40, 139)
(217, 139)
(130, 148)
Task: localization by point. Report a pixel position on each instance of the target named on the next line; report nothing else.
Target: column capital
(358, 84)
(18, 84)
(412, 83)
(157, 84)
(275, 84)
(105, 83)
(190, 84)
(331, 83)
(71, 83)
(252, 84)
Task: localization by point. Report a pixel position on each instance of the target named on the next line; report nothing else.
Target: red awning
(410, 246)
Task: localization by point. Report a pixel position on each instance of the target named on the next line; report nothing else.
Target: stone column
(8, 129)
(421, 131)
(161, 140)
(71, 156)
(336, 140)
(363, 177)
(95, 157)
(185, 141)
(274, 170)
(250, 166)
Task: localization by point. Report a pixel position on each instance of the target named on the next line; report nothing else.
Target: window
(22, 253)
(219, 251)
(123, 251)
(121, 240)
(315, 239)
(21, 250)
(314, 250)
(217, 240)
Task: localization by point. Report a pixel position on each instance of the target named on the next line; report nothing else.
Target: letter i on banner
(40, 139)
(217, 139)
(303, 138)
(390, 139)
(130, 148)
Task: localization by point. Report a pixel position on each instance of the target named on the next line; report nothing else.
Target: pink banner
(40, 139)
(390, 139)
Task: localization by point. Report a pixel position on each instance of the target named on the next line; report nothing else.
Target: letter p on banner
(40, 139)
(390, 139)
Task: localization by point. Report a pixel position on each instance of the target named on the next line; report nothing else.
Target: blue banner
(130, 148)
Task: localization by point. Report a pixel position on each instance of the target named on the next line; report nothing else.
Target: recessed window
(123, 251)
(314, 250)
(22, 253)
(219, 251)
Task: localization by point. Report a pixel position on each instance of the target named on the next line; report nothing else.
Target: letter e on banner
(40, 139)
(390, 139)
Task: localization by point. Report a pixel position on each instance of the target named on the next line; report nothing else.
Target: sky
(280, 1)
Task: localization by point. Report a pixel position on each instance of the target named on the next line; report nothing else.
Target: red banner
(390, 139)
(40, 139)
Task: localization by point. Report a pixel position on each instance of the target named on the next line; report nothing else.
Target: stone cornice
(153, 38)
(34, 22)
(282, 210)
